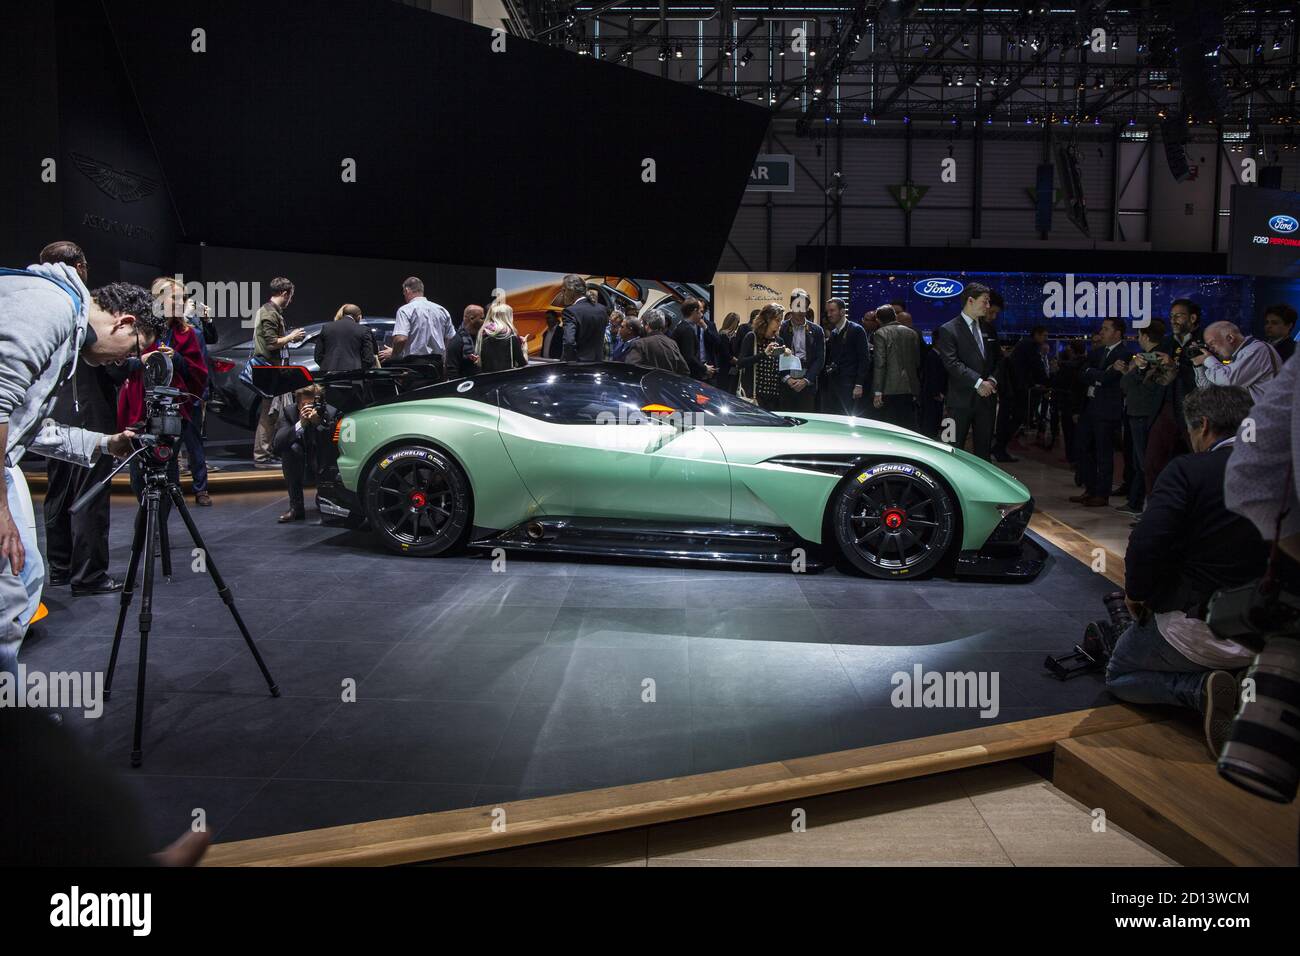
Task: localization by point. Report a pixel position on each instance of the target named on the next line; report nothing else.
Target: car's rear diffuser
(669, 541)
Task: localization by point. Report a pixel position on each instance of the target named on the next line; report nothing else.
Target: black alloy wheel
(418, 501)
(894, 520)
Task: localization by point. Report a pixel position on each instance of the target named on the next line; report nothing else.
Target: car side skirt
(650, 540)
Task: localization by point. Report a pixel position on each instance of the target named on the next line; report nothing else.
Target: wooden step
(1156, 781)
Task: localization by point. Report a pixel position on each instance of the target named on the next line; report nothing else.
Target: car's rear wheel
(894, 520)
(418, 501)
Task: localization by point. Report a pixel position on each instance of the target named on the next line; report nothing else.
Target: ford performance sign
(1283, 224)
(938, 288)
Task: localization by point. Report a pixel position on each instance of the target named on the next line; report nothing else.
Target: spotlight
(747, 56)
(961, 78)
(812, 52)
(1277, 44)
(663, 54)
(729, 49)
(1100, 82)
(677, 51)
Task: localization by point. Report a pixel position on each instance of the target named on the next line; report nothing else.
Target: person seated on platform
(655, 349)
(1279, 329)
(1236, 360)
(497, 346)
(301, 433)
(1186, 546)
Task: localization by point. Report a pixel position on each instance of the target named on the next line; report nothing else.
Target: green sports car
(615, 459)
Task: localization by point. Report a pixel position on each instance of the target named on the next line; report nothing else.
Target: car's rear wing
(367, 385)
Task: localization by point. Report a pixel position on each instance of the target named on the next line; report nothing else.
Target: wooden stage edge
(433, 836)
(243, 480)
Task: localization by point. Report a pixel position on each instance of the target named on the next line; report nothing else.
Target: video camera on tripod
(155, 445)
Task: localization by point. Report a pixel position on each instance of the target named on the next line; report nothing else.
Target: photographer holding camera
(1186, 546)
(49, 319)
(304, 429)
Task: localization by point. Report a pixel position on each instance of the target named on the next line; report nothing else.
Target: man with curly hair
(47, 320)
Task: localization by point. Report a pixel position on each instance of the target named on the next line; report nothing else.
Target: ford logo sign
(938, 288)
(1283, 224)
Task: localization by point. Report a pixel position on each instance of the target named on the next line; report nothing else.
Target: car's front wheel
(418, 501)
(894, 520)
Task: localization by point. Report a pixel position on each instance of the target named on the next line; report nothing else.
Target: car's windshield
(709, 405)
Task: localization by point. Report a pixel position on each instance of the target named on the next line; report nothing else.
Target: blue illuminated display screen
(1068, 304)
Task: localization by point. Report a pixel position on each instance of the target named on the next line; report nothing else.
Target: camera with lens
(1262, 754)
(1099, 640)
(162, 421)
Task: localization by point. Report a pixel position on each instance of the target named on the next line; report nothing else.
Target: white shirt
(426, 325)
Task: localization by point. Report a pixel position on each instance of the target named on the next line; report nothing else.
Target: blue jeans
(20, 594)
(192, 438)
(1147, 669)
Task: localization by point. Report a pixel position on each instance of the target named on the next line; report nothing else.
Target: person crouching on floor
(304, 422)
(1186, 546)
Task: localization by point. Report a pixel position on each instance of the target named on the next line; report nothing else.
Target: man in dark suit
(1186, 546)
(1022, 373)
(847, 374)
(808, 342)
(1279, 329)
(585, 322)
(697, 342)
(461, 360)
(1103, 415)
(972, 363)
(345, 344)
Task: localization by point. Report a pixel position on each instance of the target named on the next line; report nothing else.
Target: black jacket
(584, 331)
(1187, 544)
(1107, 401)
(344, 345)
(459, 350)
(1285, 348)
(848, 359)
(1184, 382)
(554, 349)
(685, 334)
(814, 346)
(964, 363)
(1026, 367)
(500, 354)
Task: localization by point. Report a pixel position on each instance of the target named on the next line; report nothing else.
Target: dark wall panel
(529, 158)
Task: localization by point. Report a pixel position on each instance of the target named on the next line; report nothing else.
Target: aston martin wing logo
(121, 184)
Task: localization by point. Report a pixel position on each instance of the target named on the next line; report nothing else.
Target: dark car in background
(235, 402)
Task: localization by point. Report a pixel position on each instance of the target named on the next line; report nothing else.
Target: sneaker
(1130, 511)
(203, 499)
(1219, 706)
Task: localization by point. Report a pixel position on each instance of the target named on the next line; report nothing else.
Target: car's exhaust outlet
(535, 530)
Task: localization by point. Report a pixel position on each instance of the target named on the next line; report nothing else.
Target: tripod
(149, 528)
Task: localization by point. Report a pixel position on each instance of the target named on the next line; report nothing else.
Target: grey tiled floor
(473, 686)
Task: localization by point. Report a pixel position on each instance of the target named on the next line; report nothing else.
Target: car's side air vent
(830, 464)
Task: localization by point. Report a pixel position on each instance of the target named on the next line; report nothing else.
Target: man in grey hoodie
(47, 319)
